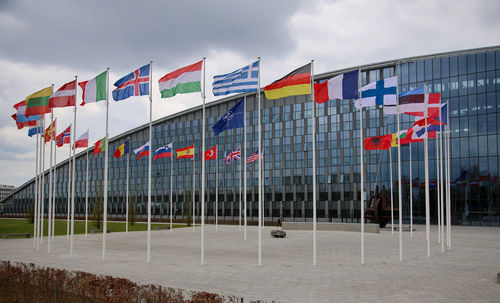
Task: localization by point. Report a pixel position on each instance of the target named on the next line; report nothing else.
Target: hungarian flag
(100, 146)
(64, 137)
(64, 96)
(211, 153)
(186, 152)
(50, 132)
(378, 143)
(82, 141)
(181, 81)
(38, 103)
(94, 89)
(297, 82)
(122, 150)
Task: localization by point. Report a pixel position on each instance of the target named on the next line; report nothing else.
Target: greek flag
(240, 81)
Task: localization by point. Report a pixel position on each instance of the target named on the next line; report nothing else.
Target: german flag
(297, 82)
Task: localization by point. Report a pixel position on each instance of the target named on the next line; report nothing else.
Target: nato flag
(234, 118)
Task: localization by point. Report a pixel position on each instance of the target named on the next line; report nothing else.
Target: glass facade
(469, 81)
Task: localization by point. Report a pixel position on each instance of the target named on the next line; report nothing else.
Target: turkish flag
(211, 153)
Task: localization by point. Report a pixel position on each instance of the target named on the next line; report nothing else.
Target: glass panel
(471, 63)
(420, 71)
(453, 66)
(462, 65)
(428, 70)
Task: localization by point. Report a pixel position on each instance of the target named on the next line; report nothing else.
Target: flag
(186, 152)
(234, 155)
(64, 96)
(234, 118)
(419, 134)
(50, 132)
(38, 103)
(413, 103)
(256, 156)
(94, 89)
(34, 130)
(64, 137)
(181, 81)
(405, 136)
(381, 92)
(240, 81)
(100, 146)
(82, 141)
(20, 117)
(344, 86)
(142, 151)
(297, 82)
(122, 150)
(163, 152)
(135, 83)
(378, 143)
(211, 154)
(394, 140)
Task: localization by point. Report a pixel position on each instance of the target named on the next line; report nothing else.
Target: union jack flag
(64, 137)
(134, 84)
(255, 156)
(234, 155)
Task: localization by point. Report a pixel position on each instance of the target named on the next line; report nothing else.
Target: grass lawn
(13, 226)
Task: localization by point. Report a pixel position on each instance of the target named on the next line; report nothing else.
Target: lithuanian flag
(186, 152)
(38, 103)
(297, 82)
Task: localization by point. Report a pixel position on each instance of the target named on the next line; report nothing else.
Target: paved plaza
(467, 273)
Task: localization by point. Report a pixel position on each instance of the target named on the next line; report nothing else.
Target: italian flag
(184, 80)
(94, 89)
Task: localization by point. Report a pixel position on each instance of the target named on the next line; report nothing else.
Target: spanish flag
(297, 82)
(186, 152)
(122, 150)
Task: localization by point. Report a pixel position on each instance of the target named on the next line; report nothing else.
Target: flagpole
(105, 204)
(441, 184)
(86, 193)
(392, 193)
(126, 206)
(260, 170)
(42, 205)
(245, 165)
(203, 173)
(239, 208)
(69, 193)
(448, 196)
(35, 201)
(49, 212)
(314, 162)
(150, 157)
(216, 188)
(427, 198)
(194, 194)
(40, 185)
(362, 183)
(411, 197)
(54, 192)
(438, 188)
(171, 182)
(400, 205)
(73, 177)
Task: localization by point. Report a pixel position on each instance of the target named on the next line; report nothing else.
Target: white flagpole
(441, 184)
(127, 194)
(245, 165)
(448, 196)
(54, 193)
(314, 161)
(411, 197)
(150, 157)
(400, 204)
(68, 205)
(105, 204)
(73, 177)
(239, 208)
(49, 211)
(35, 201)
(216, 189)
(392, 193)
(260, 171)
(438, 200)
(42, 205)
(171, 182)
(194, 194)
(86, 193)
(40, 185)
(203, 173)
(362, 183)
(427, 198)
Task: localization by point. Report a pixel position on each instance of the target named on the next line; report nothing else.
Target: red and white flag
(83, 140)
(64, 96)
(211, 153)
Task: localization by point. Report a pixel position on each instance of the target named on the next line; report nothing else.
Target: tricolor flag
(83, 140)
(100, 146)
(211, 153)
(38, 103)
(142, 151)
(122, 150)
(186, 152)
(163, 152)
(94, 89)
(64, 96)
(256, 156)
(234, 155)
(181, 81)
(135, 83)
(381, 92)
(378, 143)
(64, 137)
(344, 86)
(240, 81)
(234, 118)
(50, 132)
(20, 116)
(297, 82)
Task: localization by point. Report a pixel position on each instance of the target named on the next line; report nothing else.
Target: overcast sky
(49, 42)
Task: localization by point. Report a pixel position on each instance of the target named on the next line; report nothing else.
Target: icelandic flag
(381, 92)
(344, 86)
(163, 152)
(134, 84)
(64, 137)
(240, 81)
(34, 130)
(234, 155)
(234, 118)
(142, 151)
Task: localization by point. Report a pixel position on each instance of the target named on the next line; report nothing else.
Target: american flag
(255, 157)
(234, 155)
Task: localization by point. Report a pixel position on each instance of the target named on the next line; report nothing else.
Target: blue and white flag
(234, 118)
(381, 92)
(240, 81)
(34, 130)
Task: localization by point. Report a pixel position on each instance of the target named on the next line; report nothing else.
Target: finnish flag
(383, 92)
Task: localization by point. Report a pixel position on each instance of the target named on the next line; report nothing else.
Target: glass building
(469, 81)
